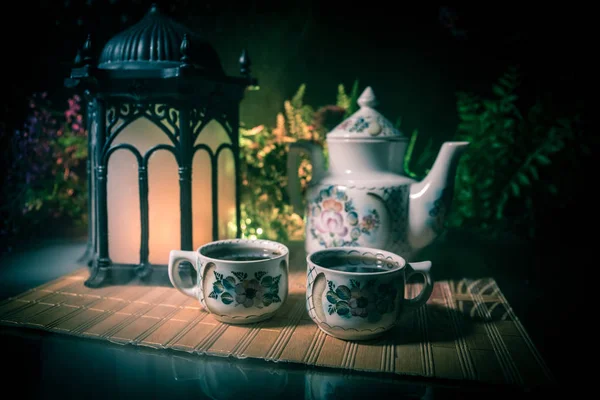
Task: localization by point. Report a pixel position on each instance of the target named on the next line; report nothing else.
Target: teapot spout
(430, 199)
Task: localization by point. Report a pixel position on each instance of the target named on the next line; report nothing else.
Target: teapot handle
(317, 160)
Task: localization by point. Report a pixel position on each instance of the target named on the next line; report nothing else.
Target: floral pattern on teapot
(359, 125)
(335, 221)
(368, 124)
(440, 208)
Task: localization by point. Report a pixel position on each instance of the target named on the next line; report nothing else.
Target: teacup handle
(423, 269)
(315, 311)
(176, 257)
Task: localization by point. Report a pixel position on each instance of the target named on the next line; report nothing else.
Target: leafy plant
(348, 102)
(46, 181)
(418, 167)
(509, 150)
(266, 209)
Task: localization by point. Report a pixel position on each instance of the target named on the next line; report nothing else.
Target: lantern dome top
(158, 42)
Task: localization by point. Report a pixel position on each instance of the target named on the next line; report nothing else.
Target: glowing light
(253, 237)
(164, 217)
(123, 198)
(248, 221)
(259, 231)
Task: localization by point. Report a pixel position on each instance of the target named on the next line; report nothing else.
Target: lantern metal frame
(180, 96)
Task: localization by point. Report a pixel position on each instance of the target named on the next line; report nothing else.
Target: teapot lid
(366, 122)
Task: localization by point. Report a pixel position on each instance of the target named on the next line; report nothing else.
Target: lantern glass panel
(123, 206)
(201, 199)
(123, 196)
(163, 206)
(226, 194)
(213, 135)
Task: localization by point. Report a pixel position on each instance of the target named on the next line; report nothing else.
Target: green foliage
(419, 166)
(266, 209)
(348, 102)
(509, 149)
(46, 182)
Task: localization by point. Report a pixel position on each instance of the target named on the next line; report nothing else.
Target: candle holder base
(87, 258)
(144, 271)
(98, 276)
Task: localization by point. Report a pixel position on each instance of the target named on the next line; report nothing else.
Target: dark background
(415, 57)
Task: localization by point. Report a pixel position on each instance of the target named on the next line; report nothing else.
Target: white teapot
(365, 197)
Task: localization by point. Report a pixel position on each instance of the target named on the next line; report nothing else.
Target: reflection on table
(49, 364)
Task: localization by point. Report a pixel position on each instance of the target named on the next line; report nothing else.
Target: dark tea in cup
(356, 263)
(241, 253)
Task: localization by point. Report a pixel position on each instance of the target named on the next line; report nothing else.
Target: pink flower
(330, 219)
(332, 222)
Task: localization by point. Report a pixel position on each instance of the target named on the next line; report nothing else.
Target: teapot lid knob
(367, 98)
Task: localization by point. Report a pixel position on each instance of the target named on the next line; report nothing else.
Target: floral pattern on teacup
(369, 301)
(259, 291)
(335, 221)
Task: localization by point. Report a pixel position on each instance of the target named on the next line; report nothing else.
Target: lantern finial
(78, 59)
(153, 9)
(245, 63)
(185, 47)
(86, 52)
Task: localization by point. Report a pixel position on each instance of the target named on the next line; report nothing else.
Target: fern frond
(291, 120)
(353, 105)
(297, 100)
(280, 131)
(343, 100)
(426, 157)
(398, 123)
(409, 153)
(527, 172)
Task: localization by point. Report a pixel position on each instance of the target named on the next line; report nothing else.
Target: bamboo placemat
(466, 331)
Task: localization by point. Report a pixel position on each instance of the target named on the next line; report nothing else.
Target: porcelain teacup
(357, 293)
(240, 281)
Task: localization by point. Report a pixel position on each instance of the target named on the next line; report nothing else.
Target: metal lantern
(163, 165)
